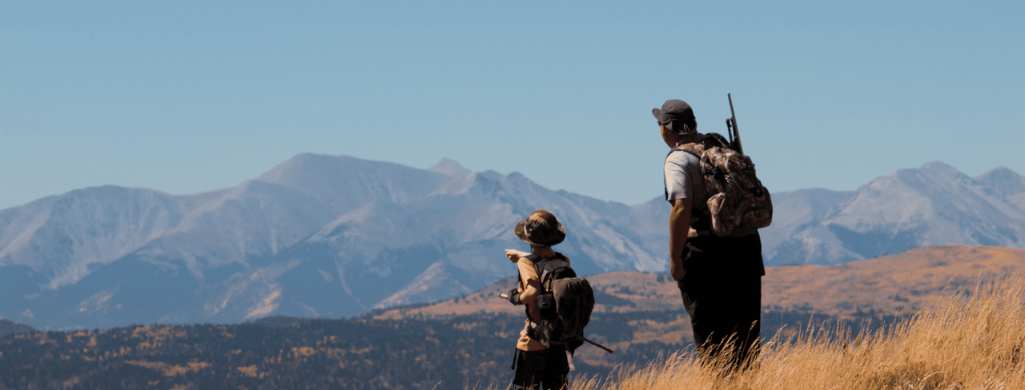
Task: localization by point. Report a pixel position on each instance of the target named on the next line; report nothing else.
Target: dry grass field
(973, 339)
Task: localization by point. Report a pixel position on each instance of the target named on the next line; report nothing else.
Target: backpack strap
(697, 149)
(694, 148)
(539, 266)
(537, 260)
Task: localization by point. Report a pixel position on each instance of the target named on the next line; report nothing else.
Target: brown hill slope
(891, 284)
(894, 284)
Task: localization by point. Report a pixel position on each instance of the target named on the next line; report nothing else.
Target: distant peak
(449, 167)
(939, 166)
(924, 176)
(1001, 173)
(933, 169)
(1002, 182)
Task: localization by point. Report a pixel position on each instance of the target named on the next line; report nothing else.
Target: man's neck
(688, 138)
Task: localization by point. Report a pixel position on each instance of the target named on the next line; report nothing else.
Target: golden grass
(973, 340)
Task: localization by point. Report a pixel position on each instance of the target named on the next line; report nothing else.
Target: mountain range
(334, 236)
(932, 205)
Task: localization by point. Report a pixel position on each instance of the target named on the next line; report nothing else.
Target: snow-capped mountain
(315, 236)
(932, 205)
(338, 236)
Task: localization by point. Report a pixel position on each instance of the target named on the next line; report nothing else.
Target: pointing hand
(515, 255)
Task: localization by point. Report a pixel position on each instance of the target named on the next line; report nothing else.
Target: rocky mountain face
(932, 205)
(315, 236)
(326, 236)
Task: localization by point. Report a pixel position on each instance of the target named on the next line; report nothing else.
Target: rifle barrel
(598, 345)
(736, 132)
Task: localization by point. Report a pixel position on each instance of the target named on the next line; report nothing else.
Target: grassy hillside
(972, 340)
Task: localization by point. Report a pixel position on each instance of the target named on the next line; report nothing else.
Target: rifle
(598, 345)
(731, 128)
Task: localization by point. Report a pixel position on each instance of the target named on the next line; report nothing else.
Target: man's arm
(679, 226)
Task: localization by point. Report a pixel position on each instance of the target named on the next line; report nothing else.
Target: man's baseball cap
(676, 111)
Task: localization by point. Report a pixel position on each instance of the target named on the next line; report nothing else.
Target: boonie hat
(540, 229)
(676, 113)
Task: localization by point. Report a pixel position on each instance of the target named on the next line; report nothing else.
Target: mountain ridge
(932, 205)
(338, 236)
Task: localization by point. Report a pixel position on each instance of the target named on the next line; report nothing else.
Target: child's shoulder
(526, 268)
(524, 260)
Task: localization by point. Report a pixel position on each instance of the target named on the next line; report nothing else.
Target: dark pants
(722, 292)
(547, 369)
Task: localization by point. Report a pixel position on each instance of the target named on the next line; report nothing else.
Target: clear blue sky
(186, 97)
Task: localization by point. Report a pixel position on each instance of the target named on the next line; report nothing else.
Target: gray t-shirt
(683, 180)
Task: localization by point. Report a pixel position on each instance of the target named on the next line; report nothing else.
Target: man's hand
(515, 255)
(514, 297)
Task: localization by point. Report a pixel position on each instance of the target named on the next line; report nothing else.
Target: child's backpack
(565, 303)
(738, 203)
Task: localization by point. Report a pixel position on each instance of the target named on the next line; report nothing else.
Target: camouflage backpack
(565, 303)
(738, 203)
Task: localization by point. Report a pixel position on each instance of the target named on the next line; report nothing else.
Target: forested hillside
(8, 327)
(286, 353)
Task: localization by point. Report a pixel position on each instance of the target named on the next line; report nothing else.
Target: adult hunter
(719, 276)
